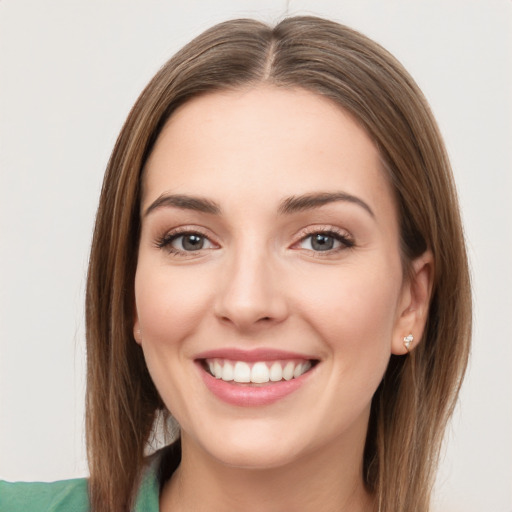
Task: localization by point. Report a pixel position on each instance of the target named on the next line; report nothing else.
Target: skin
(259, 283)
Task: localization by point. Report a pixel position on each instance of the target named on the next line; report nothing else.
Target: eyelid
(164, 241)
(342, 235)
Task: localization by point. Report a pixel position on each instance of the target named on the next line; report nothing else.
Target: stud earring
(407, 341)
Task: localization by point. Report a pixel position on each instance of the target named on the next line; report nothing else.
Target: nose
(251, 294)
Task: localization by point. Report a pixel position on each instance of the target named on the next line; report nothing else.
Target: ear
(414, 303)
(136, 328)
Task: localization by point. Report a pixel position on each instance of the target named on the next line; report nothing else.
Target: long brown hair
(417, 394)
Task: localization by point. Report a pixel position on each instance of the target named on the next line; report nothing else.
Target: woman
(278, 262)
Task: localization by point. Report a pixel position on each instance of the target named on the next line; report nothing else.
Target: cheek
(354, 311)
(169, 304)
(170, 307)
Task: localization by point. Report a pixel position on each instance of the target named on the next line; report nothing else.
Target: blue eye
(184, 242)
(189, 242)
(325, 241)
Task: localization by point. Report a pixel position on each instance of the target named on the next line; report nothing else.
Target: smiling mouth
(257, 372)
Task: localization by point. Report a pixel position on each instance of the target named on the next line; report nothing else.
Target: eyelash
(346, 242)
(165, 241)
(341, 236)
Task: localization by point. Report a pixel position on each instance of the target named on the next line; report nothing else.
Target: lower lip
(247, 395)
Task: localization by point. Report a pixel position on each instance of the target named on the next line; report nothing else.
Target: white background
(69, 73)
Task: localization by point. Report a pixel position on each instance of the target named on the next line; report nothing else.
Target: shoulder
(73, 495)
(62, 496)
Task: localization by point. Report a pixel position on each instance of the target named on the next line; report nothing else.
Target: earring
(407, 341)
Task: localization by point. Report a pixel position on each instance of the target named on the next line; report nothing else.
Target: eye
(185, 242)
(190, 242)
(324, 241)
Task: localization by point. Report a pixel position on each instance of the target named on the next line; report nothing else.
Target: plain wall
(69, 73)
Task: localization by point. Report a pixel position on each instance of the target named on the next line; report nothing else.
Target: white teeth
(242, 372)
(276, 372)
(258, 373)
(227, 371)
(288, 371)
(298, 371)
(217, 369)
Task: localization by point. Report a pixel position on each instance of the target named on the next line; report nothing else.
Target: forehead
(264, 142)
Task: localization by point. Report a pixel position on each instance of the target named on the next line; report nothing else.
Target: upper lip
(259, 354)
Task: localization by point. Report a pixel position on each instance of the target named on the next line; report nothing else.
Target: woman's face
(269, 254)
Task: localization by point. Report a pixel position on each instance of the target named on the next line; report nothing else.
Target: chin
(251, 451)
(255, 458)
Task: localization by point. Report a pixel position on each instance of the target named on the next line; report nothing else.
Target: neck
(317, 481)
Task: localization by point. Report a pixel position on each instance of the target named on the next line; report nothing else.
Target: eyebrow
(199, 204)
(315, 200)
(288, 206)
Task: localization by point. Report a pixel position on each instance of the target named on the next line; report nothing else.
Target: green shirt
(72, 495)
